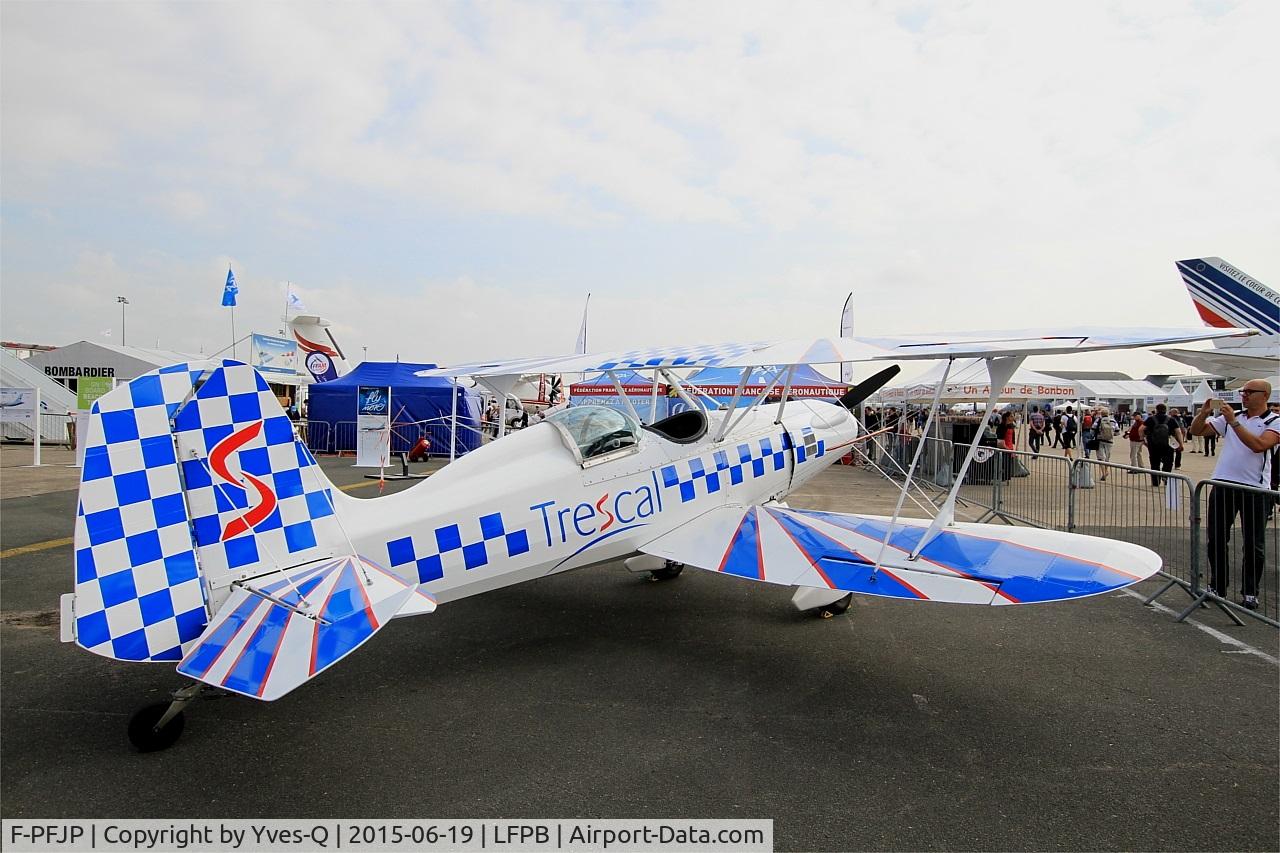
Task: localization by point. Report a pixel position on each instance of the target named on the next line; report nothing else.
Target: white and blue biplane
(207, 536)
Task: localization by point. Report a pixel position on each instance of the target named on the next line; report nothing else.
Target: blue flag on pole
(229, 292)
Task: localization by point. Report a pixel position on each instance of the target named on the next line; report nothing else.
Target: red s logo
(266, 497)
(600, 508)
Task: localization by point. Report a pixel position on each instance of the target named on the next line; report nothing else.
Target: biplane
(207, 537)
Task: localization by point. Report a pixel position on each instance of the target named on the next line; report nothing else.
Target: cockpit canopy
(596, 431)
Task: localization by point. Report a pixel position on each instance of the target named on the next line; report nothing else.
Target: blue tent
(414, 399)
(719, 383)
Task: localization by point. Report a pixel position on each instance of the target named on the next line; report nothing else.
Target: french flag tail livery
(197, 497)
(1225, 296)
(965, 564)
(321, 355)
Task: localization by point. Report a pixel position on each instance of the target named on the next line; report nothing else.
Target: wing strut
(998, 372)
(786, 392)
(675, 383)
(622, 395)
(915, 460)
(733, 404)
(758, 400)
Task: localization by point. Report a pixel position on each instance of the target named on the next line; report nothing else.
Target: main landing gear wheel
(147, 735)
(668, 572)
(836, 607)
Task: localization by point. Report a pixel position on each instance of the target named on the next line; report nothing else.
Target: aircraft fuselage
(524, 507)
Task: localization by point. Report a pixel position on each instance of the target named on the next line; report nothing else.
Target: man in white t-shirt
(1246, 459)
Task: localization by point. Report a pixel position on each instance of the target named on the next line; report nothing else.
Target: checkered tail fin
(194, 487)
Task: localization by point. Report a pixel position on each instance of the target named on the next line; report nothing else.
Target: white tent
(1121, 389)
(1179, 396)
(968, 382)
(1203, 392)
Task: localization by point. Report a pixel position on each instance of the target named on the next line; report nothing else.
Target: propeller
(864, 389)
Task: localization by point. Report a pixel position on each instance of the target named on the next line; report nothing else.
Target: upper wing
(965, 564)
(832, 350)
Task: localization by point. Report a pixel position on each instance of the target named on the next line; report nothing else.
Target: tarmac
(1092, 725)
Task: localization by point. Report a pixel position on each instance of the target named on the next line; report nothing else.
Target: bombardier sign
(76, 371)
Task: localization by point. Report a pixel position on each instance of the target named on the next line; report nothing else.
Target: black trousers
(1224, 504)
(1161, 460)
(1034, 439)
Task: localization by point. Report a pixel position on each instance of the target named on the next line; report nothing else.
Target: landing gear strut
(835, 608)
(667, 572)
(156, 727)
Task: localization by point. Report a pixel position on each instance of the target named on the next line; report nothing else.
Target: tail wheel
(667, 572)
(143, 733)
(835, 608)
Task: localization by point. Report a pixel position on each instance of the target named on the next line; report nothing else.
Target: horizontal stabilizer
(280, 630)
(964, 564)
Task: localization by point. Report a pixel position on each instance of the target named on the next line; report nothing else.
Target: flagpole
(233, 331)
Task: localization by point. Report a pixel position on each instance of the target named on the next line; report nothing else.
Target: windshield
(596, 430)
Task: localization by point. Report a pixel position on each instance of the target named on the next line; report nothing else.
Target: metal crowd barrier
(438, 431)
(53, 430)
(344, 437)
(1121, 502)
(1030, 488)
(893, 458)
(316, 436)
(1234, 517)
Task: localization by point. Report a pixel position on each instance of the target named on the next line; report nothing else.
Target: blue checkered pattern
(302, 525)
(138, 591)
(457, 547)
(141, 544)
(704, 355)
(810, 446)
(724, 468)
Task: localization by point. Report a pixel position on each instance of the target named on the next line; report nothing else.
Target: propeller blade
(867, 387)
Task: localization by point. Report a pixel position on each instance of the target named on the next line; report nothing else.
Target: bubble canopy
(594, 431)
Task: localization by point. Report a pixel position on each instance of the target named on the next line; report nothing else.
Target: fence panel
(53, 430)
(1031, 488)
(1133, 505)
(316, 435)
(893, 453)
(344, 437)
(980, 480)
(1236, 548)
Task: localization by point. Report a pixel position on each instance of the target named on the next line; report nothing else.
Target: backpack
(1069, 426)
(1158, 431)
(1106, 432)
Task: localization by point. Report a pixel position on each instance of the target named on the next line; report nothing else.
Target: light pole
(123, 302)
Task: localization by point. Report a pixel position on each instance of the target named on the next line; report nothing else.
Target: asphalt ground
(1091, 725)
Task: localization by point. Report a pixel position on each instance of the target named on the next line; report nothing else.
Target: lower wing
(965, 564)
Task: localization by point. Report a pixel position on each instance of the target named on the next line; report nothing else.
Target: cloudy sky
(448, 181)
